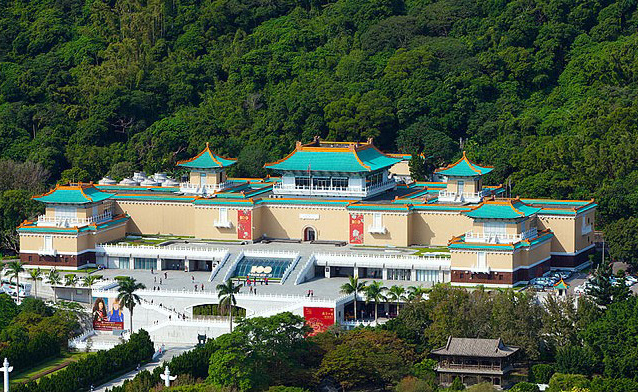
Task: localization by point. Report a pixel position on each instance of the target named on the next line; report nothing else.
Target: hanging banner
(244, 225)
(105, 317)
(356, 228)
(319, 319)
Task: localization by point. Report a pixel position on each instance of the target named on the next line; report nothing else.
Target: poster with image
(107, 314)
(244, 225)
(356, 228)
(319, 319)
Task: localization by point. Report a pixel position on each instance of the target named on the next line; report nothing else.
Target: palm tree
(89, 281)
(374, 292)
(415, 293)
(71, 280)
(397, 294)
(53, 277)
(13, 270)
(127, 297)
(36, 274)
(354, 287)
(226, 294)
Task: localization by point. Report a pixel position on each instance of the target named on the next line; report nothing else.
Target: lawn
(423, 251)
(48, 367)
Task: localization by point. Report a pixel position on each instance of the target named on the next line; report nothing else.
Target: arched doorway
(309, 234)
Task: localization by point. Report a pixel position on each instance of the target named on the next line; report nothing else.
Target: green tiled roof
(73, 194)
(346, 160)
(464, 168)
(206, 160)
(508, 246)
(509, 209)
(561, 285)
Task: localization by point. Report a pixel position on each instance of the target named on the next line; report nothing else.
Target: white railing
(303, 274)
(463, 197)
(232, 267)
(218, 267)
(434, 261)
(500, 238)
(377, 230)
(290, 268)
(62, 221)
(200, 189)
(168, 251)
(308, 190)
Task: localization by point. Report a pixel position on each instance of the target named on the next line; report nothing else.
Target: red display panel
(356, 228)
(105, 317)
(244, 225)
(319, 319)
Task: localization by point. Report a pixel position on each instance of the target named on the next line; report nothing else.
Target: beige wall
(204, 223)
(584, 240)
(431, 228)
(564, 232)
(468, 259)
(212, 177)
(471, 185)
(284, 222)
(72, 244)
(401, 169)
(511, 228)
(529, 256)
(162, 218)
(397, 226)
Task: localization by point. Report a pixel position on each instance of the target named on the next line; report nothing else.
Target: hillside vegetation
(543, 89)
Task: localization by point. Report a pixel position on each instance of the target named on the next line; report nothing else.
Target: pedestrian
(169, 317)
(160, 280)
(154, 279)
(255, 291)
(165, 275)
(251, 289)
(261, 281)
(151, 270)
(195, 287)
(202, 286)
(193, 278)
(266, 279)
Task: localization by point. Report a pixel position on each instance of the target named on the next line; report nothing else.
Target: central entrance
(309, 234)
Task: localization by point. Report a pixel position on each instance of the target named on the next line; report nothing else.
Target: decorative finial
(6, 369)
(166, 376)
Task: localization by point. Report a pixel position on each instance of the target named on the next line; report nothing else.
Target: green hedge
(95, 369)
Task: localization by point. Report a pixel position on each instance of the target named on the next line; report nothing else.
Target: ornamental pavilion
(334, 169)
(475, 361)
(207, 173)
(464, 181)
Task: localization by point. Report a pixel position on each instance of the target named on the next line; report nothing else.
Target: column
(384, 273)
(158, 267)
(326, 271)
(413, 275)
(131, 262)
(356, 271)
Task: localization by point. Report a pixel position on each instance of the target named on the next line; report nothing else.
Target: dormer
(502, 221)
(207, 173)
(464, 181)
(334, 169)
(75, 205)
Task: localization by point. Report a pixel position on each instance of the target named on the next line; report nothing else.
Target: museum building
(325, 192)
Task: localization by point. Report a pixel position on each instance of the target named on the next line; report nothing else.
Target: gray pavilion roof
(468, 347)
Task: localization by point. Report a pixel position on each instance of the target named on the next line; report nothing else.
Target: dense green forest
(543, 89)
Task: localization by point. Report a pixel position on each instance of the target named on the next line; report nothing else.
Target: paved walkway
(166, 357)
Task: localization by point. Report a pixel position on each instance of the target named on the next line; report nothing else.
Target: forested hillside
(543, 89)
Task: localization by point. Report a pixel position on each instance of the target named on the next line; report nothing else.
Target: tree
(14, 268)
(36, 274)
(71, 280)
(396, 294)
(415, 293)
(226, 293)
(456, 385)
(8, 310)
(605, 289)
(127, 297)
(575, 360)
(375, 293)
(525, 387)
(54, 279)
(89, 281)
(622, 238)
(354, 286)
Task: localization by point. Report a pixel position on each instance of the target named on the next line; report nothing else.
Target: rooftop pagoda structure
(334, 169)
(464, 181)
(475, 361)
(207, 173)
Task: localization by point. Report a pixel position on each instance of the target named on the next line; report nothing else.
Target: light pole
(167, 377)
(6, 369)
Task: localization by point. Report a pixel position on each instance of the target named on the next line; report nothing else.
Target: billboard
(319, 319)
(107, 314)
(356, 228)
(244, 225)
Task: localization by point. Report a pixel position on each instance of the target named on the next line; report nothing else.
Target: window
(303, 182)
(340, 182)
(145, 263)
(65, 212)
(321, 182)
(123, 262)
(223, 214)
(48, 242)
(427, 275)
(374, 179)
(462, 275)
(399, 274)
(460, 186)
(498, 228)
(377, 220)
(481, 260)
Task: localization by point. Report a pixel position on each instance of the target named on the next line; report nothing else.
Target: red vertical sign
(356, 228)
(319, 319)
(244, 225)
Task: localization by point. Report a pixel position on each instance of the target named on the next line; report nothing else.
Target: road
(166, 357)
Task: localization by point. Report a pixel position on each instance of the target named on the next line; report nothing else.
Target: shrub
(565, 382)
(281, 388)
(413, 384)
(541, 373)
(525, 387)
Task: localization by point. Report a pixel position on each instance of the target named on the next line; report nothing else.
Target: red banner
(319, 319)
(356, 228)
(244, 225)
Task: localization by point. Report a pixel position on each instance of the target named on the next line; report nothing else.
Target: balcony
(377, 230)
(226, 224)
(500, 238)
(206, 189)
(333, 191)
(47, 252)
(61, 221)
(464, 197)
